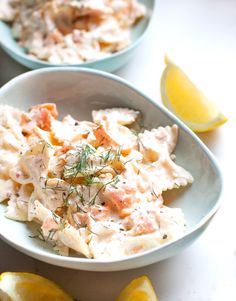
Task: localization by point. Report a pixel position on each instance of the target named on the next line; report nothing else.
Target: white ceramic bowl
(77, 92)
(111, 63)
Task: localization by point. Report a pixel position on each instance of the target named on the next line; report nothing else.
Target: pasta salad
(72, 31)
(93, 187)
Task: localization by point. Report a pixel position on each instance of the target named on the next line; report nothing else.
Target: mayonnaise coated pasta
(72, 31)
(94, 188)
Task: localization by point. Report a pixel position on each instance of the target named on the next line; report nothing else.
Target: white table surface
(199, 35)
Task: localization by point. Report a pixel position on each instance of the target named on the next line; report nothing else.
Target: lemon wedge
(140, 289)
(187, 102)
(29, 287)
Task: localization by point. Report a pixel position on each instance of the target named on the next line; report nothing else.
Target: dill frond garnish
(87, 164)
(45, 144)
(118, 154)
(42, 237)
(140, 144)
(56, 217)
(84, 170)
(114, 181)
(83, 154)
(59, 220)
(91, 180)
(39, 235)
(81, 197)
(75, 220)
(51, 234)
(176, 185)
(57, 187)
(153, 193)
(107, 156)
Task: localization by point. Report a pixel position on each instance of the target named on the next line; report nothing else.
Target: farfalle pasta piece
(55, 191)
(122, 116)
(165, 175)
(158, 143)
(17, 207)
(70, 131)
(113, 127)
(9, 141)
(12, 141)
(8, 160)
(35, 160)
(10, 119)
(8, 187)
(67, 234)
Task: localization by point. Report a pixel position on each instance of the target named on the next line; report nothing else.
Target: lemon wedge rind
(187, 102)
(20, 286)
(139, 289)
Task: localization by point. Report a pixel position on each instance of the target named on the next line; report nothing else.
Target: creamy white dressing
(69, 31)
(89, 190)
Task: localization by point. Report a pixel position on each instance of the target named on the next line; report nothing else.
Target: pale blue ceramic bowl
(110, 64)
(78, 92)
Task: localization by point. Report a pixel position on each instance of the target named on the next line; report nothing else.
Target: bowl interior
(17, 52)
(78, 92)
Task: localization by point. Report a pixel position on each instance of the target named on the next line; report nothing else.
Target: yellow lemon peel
(29, 287)
(187, 102)
(139, 289)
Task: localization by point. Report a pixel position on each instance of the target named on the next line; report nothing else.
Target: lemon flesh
(187, 102)
(29, 287)
(140, 289)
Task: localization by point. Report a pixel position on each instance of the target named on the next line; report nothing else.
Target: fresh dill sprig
(88, 172)
(81, 197)
(91, 180)
(59, 220)
(51, 234)
(72, 189)
(81, 165)
(75, 221)
(118, 154)
(56, 217)
(176, 185)
(57, 187)
(140, 144)
(45, 144)
(107, 156)
(114, 181)
(39, 235)
(42, 237)
(84, 166)
(153, 192)
(79, 209)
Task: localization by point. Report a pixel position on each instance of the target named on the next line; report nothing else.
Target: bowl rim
(78, 260)
(132, 45)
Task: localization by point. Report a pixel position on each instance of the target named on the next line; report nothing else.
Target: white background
(200, 36)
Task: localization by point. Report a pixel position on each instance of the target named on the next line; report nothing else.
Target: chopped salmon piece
(144, 227)
(43, 115)
(119, 199)
(102, 137)
(101, 212)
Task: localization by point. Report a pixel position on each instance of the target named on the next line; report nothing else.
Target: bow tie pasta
(94, 188)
